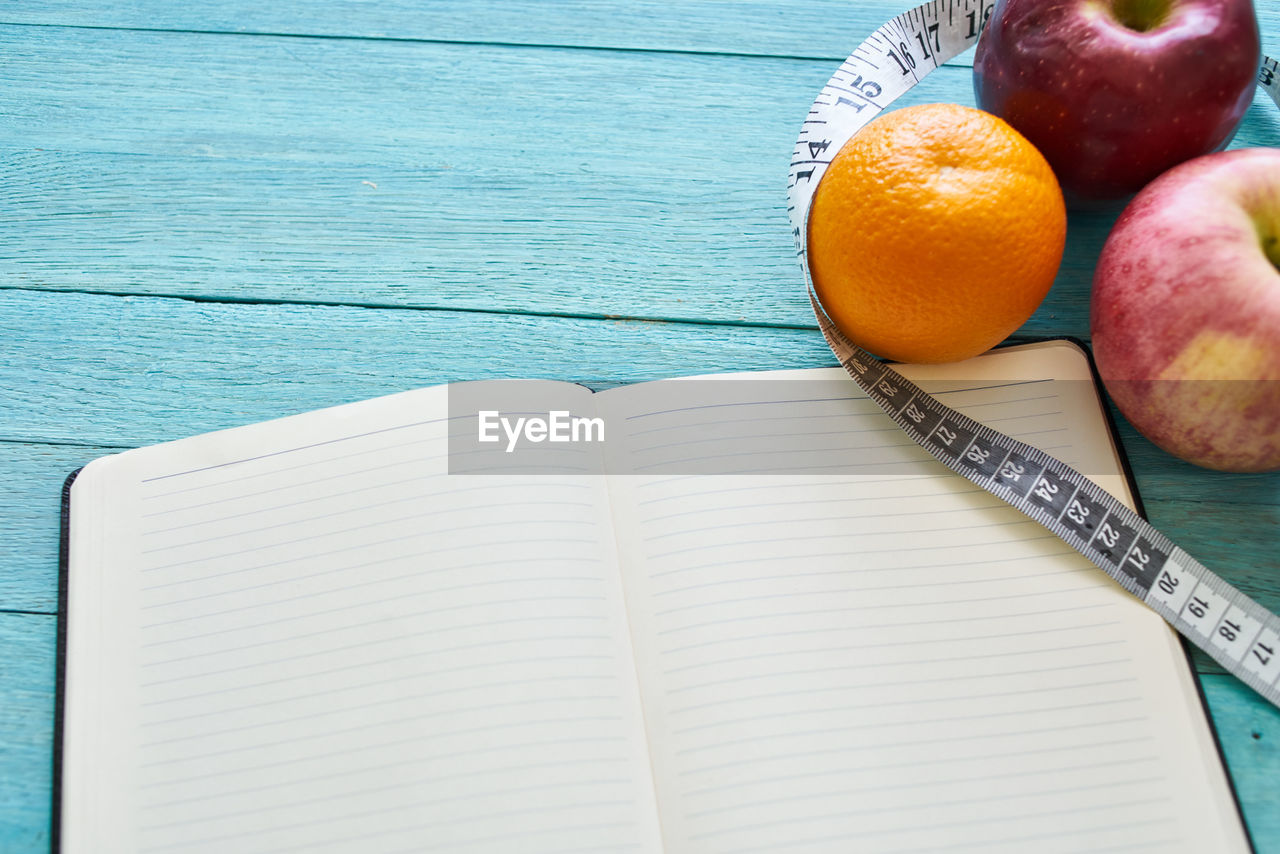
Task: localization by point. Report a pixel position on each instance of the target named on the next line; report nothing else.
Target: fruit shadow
(1065, 309)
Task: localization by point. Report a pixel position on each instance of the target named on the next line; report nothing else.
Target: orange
(935, 233)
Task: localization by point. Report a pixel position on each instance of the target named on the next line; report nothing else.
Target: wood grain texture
(26, 730)
(110, 371)
(820, 29)
(1249, 732)
(426, 175)
(31, 505)
(527, 165)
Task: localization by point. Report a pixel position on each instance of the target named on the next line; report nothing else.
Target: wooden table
(216, 213)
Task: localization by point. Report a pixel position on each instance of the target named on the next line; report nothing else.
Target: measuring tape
(1231, 628)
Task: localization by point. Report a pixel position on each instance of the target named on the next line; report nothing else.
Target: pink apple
(1185, 313)
(1114, 92)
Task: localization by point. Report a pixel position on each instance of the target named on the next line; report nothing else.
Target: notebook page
(307, 636)
(894, 660)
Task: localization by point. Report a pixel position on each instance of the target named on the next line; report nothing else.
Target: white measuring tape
(1234, 630)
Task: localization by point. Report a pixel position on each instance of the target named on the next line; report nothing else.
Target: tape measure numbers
(1269, 78)
(1231, 628)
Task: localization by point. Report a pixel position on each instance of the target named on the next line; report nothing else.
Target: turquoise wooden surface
(222, 212)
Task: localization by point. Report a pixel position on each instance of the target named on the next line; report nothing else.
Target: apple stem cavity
(1141, 16)
(1271, 248)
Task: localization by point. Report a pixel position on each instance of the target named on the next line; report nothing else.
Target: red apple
(1185, 313)
(1114, 92)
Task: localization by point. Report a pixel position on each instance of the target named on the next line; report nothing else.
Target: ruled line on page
(417, 574)
(897, 644)
(366, 564)
(769, 419)
(778, 504)
(848, 707)
(792, 778)
(295, 449)
(398, 742)
(291, 523)
(319, 536)
(419, 695)
(845, 667)
(1037, 793)
(433, 735)
(339, 609)
(212, 520)
(346, 817)
(194, 579)
(1113, 725)
(588, 783)
(456, 489)
(523, 641)
(357, 546)
(807, 486)
(862, 572)
(1061, 833)
(611, 827)
(994, 504)
(347, 494)
(469, 668)
(398, 785)
(844, 553)
(286, 487)
(984, 820)
(843, 535)
(838, 689)
(276, 472)
(575, 805)
(863, 408)
(862, 766)
(880, 704)
(844, 398)
(916, 457)
(793, 633)
(924, 681)
(465, 710)
(882, 606)
(331, 631)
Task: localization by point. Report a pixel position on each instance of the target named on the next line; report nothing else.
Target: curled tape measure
(1230, 627)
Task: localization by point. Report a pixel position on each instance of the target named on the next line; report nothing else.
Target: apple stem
(1141, 15)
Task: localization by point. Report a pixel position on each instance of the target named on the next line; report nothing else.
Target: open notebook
(308, 635)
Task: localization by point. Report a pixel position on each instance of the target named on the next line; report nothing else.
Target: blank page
(306, 636)
(845, 647)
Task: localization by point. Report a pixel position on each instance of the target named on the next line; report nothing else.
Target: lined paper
(307, 635)
(341, 647)
(891, 660)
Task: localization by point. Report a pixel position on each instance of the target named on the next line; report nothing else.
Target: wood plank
(824, 29)
(128, 371)
(26, 730)
(497, 179)
(1249, 731)
(31, 505)
(376, 173)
